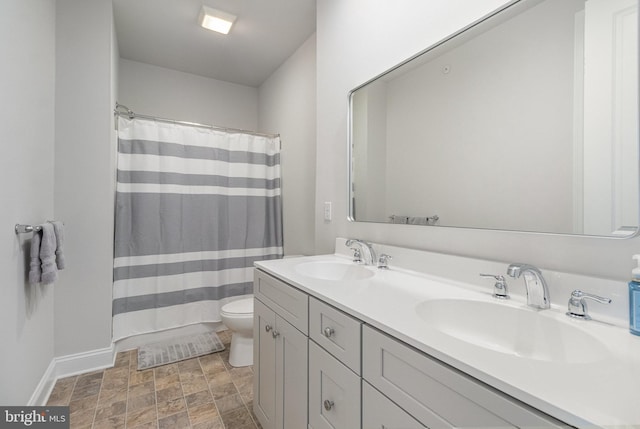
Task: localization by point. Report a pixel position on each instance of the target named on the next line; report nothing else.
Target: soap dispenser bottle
(634, 299)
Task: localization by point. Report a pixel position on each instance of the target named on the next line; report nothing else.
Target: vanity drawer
(337, 332)
(290, 303)
(437, 395)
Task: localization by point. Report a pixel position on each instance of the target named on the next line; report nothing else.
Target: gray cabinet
(337, 333)
(334, 392)
(334, 368)
(280, 360)
(349, 375)
(264, 365)
(287, 301)
(379, 412)
(438, 395)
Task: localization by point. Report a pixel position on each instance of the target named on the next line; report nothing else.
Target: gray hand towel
(48, 254)
(58, 229)
(35, 273)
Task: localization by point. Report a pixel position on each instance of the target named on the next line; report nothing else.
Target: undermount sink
(517, 331)
(336, 271)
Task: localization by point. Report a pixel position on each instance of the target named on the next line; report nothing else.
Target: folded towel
(35, 273)
(48, 254)
(58, 229)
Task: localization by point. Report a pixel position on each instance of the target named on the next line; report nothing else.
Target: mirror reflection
(526, 121)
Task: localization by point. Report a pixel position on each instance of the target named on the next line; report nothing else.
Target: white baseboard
(44, 388)
(84, 362)
(66, 366)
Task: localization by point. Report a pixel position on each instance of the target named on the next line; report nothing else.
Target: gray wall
(84, 167)
(158, 91)
(287, 105)
(352, 50)
(27, 47)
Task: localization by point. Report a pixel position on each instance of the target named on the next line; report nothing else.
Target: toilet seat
(240, 307)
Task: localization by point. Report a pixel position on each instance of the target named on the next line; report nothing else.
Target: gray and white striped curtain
(195, 207)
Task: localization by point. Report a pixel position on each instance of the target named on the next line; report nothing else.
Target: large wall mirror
(525, 121)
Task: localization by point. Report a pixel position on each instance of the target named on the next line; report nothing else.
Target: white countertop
(604, 392)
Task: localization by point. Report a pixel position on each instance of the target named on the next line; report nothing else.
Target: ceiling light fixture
(216, 20)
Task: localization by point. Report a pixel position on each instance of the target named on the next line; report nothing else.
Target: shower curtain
(195, 207)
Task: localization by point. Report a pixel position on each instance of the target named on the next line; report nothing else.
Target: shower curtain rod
(130, 114)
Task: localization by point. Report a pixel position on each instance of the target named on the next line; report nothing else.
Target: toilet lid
(241, 306)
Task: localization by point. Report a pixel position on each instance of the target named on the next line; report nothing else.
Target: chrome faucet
(369, 255)
(537, 290)
(577, 307)
(500, 288)
(383, 261)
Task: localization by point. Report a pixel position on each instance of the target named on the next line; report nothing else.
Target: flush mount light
(216, 20)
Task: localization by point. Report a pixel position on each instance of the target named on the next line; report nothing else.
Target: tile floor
(199, 393)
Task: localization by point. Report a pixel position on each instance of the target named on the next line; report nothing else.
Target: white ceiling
(165, 33)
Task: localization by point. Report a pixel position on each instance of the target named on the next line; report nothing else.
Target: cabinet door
(264, 365)
(291, 376)
(334, 392)
(378, 412)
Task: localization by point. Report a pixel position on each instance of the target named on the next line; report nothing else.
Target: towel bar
(22, 229)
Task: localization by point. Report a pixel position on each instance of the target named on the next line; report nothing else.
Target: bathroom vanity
(344, 345)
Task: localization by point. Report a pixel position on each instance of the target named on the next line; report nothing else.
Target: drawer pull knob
(328, 405)
(267, 328)
(275, 334)
(328, 332)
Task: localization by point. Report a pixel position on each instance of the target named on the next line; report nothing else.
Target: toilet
(238, 317)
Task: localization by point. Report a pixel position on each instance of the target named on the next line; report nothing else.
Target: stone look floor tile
(112, 410)
(238, 418)
(170, 407)
(170, 392)
(193, 383)
(108, 397)
(176, 421)
(221, 390)
(211, 424)
(82, 418)
(199, 393)
(139, 402)
(122, 360)
(142, 415)
(142, 389)
(229, 403)
(61, 393)
(84, 404)
(140, 377)
(221, 378)
(199, 398)
(165, 370)
(148, 425)
(202, 413)
(86, 386)
(115, 422)
(166, 375)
